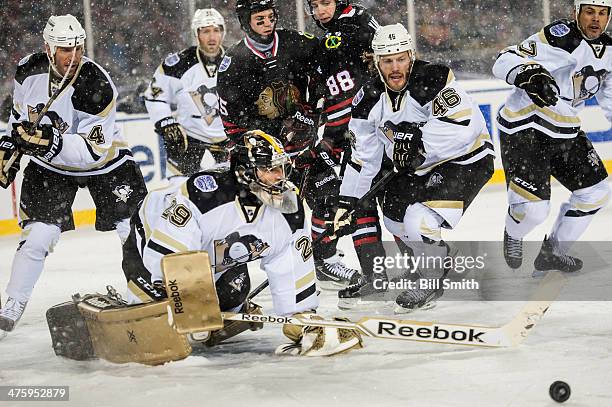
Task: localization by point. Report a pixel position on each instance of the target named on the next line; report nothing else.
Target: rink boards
(150, 155)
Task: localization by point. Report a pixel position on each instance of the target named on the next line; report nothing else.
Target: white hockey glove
(343, 219)
(318, 341)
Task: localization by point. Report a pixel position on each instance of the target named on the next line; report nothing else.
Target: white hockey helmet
(207, 17)
(601, 3)
(392, 39)
(63, 31)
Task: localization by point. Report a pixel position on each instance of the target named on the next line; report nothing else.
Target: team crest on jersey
(236, 249)
(435, 179)
(206, 183)
(559, 30)
(225, 63)
(56, 120)
(207, 101)
(274, 99)
(587, 82)
(172, 60)
(122, 192)
(155, 90)
(594, 158)
(333, 41)
(358, 97)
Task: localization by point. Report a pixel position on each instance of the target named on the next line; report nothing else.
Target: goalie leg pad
(69, 332)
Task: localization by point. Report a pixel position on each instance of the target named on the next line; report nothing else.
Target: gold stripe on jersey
(107, 109)
(461, 114)
(98, 165)
(542, 37)
(592, 206)
(480, 141)
(444, 204)
(138, 292)
(172, 169)
(523, 192)
(111, 150)
(307, 279)
(523, 113)
(425, 230)
(450, 78)
(184, 191)
(169, 242)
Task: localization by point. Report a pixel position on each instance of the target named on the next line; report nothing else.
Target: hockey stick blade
(508, 335)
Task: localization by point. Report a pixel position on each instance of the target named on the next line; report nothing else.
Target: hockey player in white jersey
(554, 72)
(76, 145)
(249, 213)
(188, 79)
(419, 115)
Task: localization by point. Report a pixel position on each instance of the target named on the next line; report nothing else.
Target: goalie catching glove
(175, 139)
(538, 83)
(7, 149)
(318, 341)
(45, 141)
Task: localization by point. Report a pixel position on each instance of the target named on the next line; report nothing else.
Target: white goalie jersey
(188, 81)
(211, 212)
(581, 68)
(84, 113)
(453, 127)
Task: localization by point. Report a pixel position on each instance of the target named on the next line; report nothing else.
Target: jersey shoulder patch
(366, 98)
(33, 64)
(176, 65)
(209, 190)
(296, 220)
(427, 80)
(93, 92)
(563, 34)
(225, 63)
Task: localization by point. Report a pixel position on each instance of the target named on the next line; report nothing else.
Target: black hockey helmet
(341, 5)
(244, 9)
(260, 151)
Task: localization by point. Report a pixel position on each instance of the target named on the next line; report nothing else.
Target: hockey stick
(508, 335)
(43, 112)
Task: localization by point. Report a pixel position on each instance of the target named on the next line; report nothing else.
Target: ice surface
(573, 342)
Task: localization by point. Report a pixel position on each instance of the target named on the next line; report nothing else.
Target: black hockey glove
(538, 83)
(45, 141)
(7, 149)
(408, 150)
(343, 220)
(323, 155)
(175, 139)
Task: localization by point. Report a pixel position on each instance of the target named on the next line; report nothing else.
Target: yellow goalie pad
(190, 286)
(141, 333)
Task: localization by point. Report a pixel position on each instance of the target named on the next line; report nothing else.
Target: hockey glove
(323, 155)
(7, 149)
(343, 218)
(408, 150)
(175, 139)
(538, 83)
(44, 141)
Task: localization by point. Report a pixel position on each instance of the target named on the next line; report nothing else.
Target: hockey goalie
(185, 262)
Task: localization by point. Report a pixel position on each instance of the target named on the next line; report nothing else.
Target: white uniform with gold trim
(84, 112)
(189, 81)
(206, 213)
(454, 129)
(581, 68)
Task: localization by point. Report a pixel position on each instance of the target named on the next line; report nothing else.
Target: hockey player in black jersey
(417, 114)
(76, 145)
(554, 73)
(343, 69)
(264, 82)
(188, 79)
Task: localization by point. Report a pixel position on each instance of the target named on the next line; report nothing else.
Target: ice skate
(412, 300)
(10, 315)
(363, 292)
(550, 259)
(333, 274)
(513, 251)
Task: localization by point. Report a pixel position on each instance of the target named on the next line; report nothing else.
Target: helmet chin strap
(382, 77)
(51, 59)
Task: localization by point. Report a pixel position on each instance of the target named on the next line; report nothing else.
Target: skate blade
(331, 285)
(539, 273)
(347, 304)
(401, 310)
(3, 334)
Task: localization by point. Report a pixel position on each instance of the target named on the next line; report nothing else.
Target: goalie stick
(508, 335)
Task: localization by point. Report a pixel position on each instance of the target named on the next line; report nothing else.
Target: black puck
(559, 391)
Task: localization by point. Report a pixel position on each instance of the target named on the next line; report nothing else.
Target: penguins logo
(587, 83)
(207, 101)
(56, 120)
(236, 249)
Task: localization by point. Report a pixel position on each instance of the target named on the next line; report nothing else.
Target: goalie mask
(62, 31)
(390, 40)
(207, 17)
(601, 3)
(261, 163)
(244, 9)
